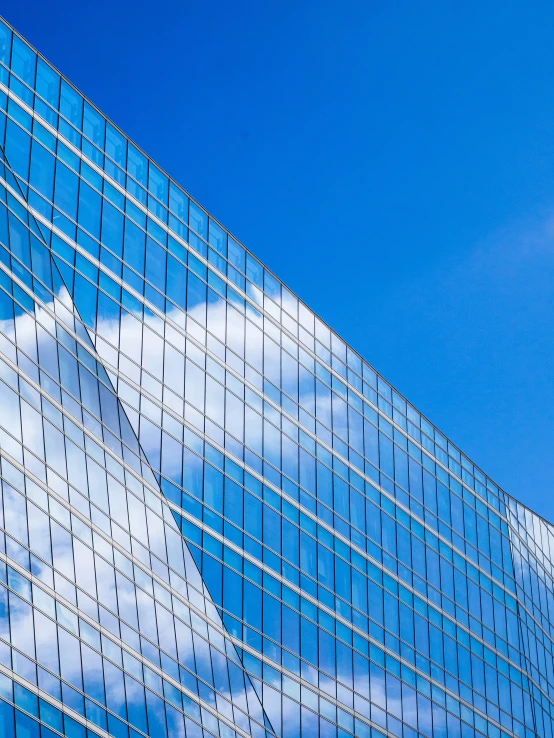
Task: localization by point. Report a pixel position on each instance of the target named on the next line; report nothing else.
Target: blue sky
(392, 162)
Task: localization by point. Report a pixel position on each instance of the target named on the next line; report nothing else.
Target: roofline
(300, 300)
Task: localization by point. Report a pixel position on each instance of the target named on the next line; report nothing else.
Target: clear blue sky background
(392, 162)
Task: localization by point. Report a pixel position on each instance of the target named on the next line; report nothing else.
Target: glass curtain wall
(216, 519)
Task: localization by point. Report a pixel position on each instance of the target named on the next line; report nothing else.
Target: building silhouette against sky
(216, 519)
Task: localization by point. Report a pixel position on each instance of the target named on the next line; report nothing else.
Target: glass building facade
(216, 519)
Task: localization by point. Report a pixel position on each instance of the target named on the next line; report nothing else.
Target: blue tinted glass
(116, 146)
(48, 83)
(178, 202)
(162, 438)
(138, 165)
(237, 255)
(24, 61)
(218, 238)
(71, 105)
(94, 126)
(5, 44)
(254, 270)
(6, 719)
(158, 184)
(198, 220)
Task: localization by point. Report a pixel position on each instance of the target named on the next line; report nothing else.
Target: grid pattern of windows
(216, 519)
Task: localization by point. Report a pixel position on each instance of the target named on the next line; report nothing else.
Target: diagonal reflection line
(143, 456)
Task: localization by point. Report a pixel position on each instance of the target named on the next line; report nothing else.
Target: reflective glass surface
(216, 519)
